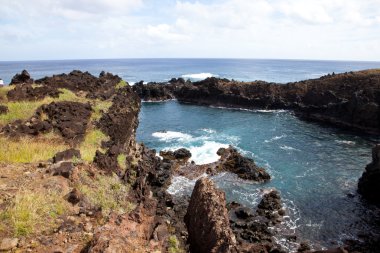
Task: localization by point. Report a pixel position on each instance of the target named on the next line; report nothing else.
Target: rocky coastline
(132, 210)
(347, 100)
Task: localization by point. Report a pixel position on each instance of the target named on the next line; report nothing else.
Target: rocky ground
(73, 178)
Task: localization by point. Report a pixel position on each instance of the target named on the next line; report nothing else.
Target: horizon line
(189, 58)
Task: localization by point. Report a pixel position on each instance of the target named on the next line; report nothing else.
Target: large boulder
(24, 77)
(207, 220)
(231, 160)
(369, 183)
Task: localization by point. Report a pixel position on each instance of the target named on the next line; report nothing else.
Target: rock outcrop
(231, 160)
(252, 228)
(349, 100)
(28, 92)
(207, 220)
(369, 183)
(102, 87)
(22, 78)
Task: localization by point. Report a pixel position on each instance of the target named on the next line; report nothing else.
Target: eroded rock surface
(207, 220)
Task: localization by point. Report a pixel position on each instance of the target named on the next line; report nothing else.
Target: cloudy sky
(280, 29)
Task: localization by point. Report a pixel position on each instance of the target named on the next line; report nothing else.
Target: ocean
(315, 167)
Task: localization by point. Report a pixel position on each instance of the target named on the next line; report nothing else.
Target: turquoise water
(316, 168)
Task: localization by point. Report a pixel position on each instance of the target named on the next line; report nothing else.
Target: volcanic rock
(3, 109)
(24, 77)
(207, 220)
(69, 118)
(28, 92)
(231, 160)
(66, 155)
(369, 186)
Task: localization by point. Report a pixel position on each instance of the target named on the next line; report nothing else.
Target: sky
(272, 29)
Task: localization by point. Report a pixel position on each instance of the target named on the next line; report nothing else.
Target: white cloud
(331, 29)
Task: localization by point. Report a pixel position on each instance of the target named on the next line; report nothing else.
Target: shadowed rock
(369, 183)
(24, 77)
(3, 109)
(207, 220)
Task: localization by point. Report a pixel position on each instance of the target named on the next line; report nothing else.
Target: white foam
(199, 76)
(288, 148)
(275, 138)
(208, 130)
(207, 152)
(345, 142)
(171, 136)
(182, 186)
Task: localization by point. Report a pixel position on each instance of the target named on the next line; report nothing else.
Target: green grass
(121, 84)
(92, 142)
(121, 160)
(107, 192)
(28, 150)
(99, 108)
(23, 110)
(31, 211)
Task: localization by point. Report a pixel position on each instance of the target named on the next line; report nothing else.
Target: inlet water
(316, 168)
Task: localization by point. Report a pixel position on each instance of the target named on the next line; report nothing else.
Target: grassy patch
(99, 108)
(173, 245)
(121, 84)
(121, 160)
(3, 92)
(106, 192)
(30, 211)
(27, 150)
(92, 142)
(23, 110)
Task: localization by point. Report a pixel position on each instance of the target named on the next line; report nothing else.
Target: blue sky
(280, 29)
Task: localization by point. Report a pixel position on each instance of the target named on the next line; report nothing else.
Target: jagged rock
(66, 155)
(270, 206)
(207, 220)
(103, 87)
(28, 92)
(369, 183)
(64, 169)
(69, 118)
(180, 154)
(24, 77)
(231, 160)
(3, 109)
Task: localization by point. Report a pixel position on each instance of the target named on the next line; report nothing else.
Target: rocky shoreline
(71, 107)
(348, 100)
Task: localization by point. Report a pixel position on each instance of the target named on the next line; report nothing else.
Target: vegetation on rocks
(32, 211)
(92, 142)
(30, 150)
(105, 192)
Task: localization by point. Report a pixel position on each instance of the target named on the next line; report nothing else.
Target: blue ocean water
(315, 167)
(134, 70)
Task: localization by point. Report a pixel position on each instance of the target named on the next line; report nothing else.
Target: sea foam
(171, 136)
(199, 76)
